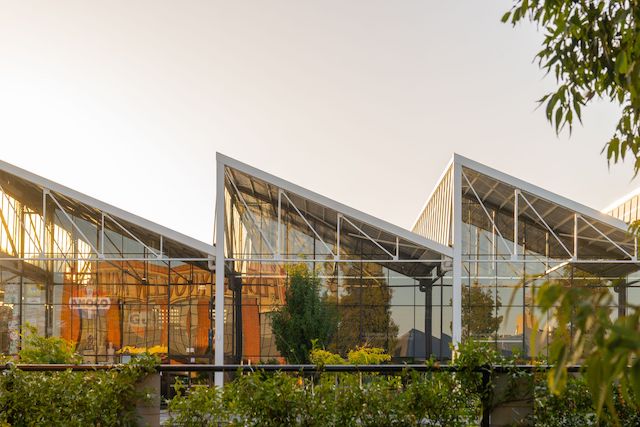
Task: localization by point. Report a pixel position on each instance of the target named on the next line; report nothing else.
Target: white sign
(89, 305)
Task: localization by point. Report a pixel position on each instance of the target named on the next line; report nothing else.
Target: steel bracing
(479, 228)
(271, 209)
(562, 232)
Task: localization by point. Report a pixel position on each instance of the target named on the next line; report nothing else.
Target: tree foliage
(304, 318)
(365, 314)
(593, 50)
(610, 349)
(479, 310)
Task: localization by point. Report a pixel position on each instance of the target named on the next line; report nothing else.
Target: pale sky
(362, 101)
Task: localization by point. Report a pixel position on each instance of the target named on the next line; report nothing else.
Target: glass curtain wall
(499, 289)
(379, 299)
(73, 271)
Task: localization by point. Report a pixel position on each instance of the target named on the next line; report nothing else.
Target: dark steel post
(486, 397)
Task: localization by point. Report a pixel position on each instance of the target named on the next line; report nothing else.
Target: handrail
(383, 369)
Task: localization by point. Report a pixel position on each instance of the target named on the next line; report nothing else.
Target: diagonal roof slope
(600, 236)
(107, 208)
(540, 192)
(436, 248)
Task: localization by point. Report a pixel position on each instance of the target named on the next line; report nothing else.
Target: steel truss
(578, 219)
(521, 202)
(348, 223)
(276, 248)
(42, 237)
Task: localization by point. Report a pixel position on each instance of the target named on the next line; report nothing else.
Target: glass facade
(498, 293)
(73, 267)
(384, 287)
(554, 244)
(72, 270)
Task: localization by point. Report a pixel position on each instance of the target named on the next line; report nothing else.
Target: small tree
(365, 312)
(305, 317)
(479, 309)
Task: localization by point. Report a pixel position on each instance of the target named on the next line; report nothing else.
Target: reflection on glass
(498, 300)
(53, 277)
(377, 297)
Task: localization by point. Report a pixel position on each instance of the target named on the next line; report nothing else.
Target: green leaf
(549, 295)
(577, 109)
(612, 149)
(634, 377)
(551, 104)
(558, 119)
(622, 65)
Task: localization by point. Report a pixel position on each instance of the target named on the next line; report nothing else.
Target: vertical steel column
(440, 349)
(457, 253)
(494, 243)
(20, 254)
(514, 256)
(622, 297)
(427, 285)
(43, 239)
(101, 235)
(278, 244)
(219, 295)
(168, 310)
(337, 257)
(575, 236)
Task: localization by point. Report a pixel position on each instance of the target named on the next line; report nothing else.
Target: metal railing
(305, 369)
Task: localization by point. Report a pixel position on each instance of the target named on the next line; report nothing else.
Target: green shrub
(66, 398)
(321, 357)
(45, 350)
(333, 399)
(202, 406)
(439, 398)
(408, 399)
(364, 355)
(574, 407)
(264, 399)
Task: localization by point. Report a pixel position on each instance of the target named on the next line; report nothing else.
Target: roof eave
(540, 192)
(332, 204)
(111, 210)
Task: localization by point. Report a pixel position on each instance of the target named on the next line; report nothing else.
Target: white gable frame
(591, 218)
(108, 209)
(344, 213)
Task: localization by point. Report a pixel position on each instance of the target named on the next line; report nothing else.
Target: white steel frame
(112, 211)
(456, 298)
(285, 190)
(522, 190)
(97, 252)
(573, 255)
